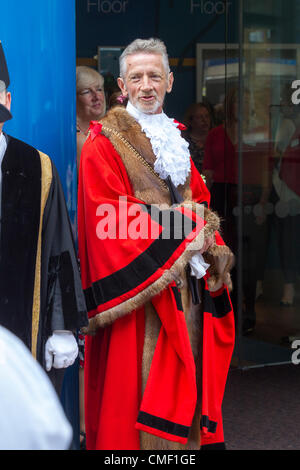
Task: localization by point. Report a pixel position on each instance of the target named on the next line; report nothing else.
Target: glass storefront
(258, 191)
(270, 163)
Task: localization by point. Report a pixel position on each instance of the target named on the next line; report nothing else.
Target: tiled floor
(261, 408)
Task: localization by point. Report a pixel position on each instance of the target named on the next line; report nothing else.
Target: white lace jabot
(172, 159)
(171, 150)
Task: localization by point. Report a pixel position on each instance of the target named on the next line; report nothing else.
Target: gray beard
(152, 110)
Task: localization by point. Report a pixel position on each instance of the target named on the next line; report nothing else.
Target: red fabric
(218, 334)
(112, 374)
(198, 187)
(220, 156)
(113, 357)
(180, 126)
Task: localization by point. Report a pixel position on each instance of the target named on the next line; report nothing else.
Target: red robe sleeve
(121, 271)
(218, 344)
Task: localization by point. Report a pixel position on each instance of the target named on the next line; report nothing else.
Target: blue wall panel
(39, 40)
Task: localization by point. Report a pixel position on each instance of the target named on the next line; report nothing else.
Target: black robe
(40, 286)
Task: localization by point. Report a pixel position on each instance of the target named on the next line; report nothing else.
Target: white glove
(61, 350)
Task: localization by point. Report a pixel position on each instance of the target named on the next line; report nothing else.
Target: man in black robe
(41, 299)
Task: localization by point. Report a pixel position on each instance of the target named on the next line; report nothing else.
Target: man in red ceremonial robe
(155, 273)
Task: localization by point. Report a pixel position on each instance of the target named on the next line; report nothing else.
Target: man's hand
(61, 350)
(220, 271)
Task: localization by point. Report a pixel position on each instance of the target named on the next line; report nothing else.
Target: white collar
(171, 150)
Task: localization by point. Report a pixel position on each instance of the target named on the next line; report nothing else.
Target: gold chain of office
(138, 155)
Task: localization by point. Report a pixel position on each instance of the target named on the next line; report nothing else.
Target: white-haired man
(41, 298)
(146, 281)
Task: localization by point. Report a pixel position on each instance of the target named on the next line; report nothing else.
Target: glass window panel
(254, 181)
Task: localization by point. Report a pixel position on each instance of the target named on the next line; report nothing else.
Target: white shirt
(172, 159)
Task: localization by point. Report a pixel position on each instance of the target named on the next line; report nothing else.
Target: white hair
(148, 46)
(85, 74)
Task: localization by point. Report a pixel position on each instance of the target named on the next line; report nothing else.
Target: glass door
(255, 172)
